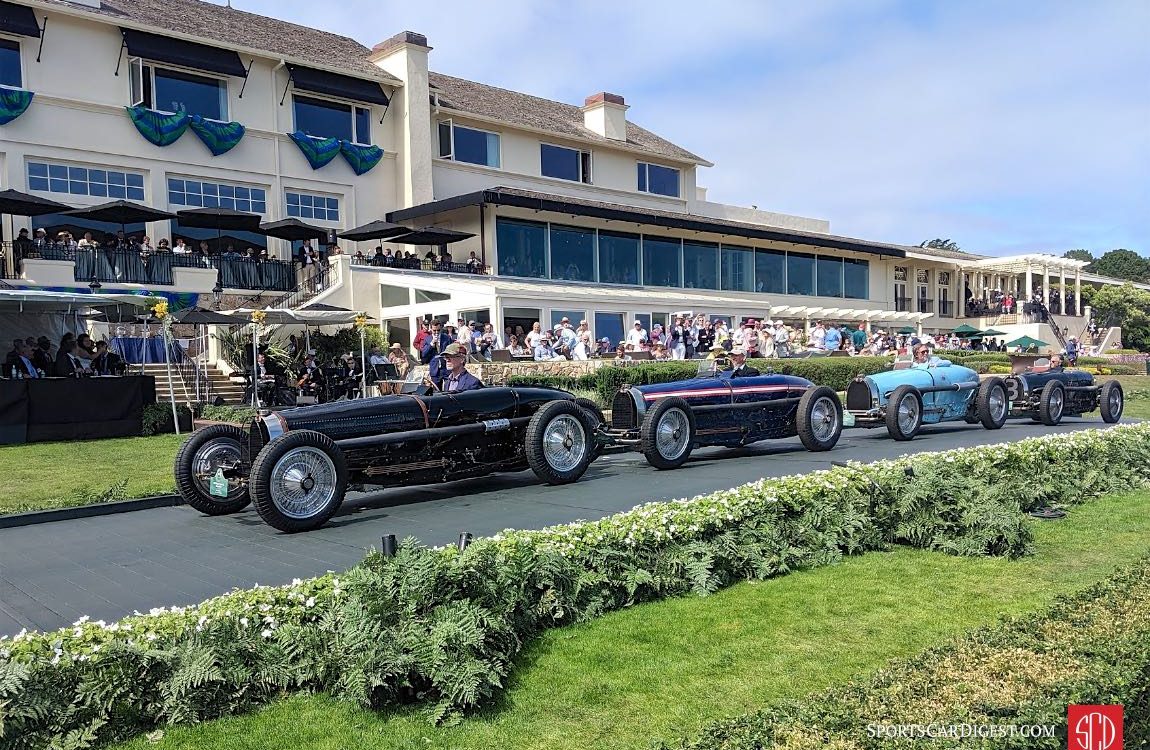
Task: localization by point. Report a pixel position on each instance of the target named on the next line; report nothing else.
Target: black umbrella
(292, 230)
(201, 317)
(219, 219)
(431, 236)
(15, 203)
(376, 230)
(121, 212)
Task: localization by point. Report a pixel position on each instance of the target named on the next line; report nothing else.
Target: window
(770, 271)
(394, 296)
(10, 74)
(468, 145)
(572, 253)
(662, 262)
(85, 180)
(168, 90)
(200, 194)
(830, 277)
(618, 258)
(522, 248)
(573, 317)
(658, 180)
(323, 118)
(700, 266)
(423, 295)
(856, 279)
(800, 274)
(738, 269)
(309, 206)
(520, 320)
(900, 273)
(645, 320)
(609, 325)
(564, 163)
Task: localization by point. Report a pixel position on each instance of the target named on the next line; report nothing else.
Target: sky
(1008, 127)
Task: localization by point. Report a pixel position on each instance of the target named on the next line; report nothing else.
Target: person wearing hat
(637, 336)
(1072, 351)
(739, 368)
(397, 357)
(457, 378)
(544, 352)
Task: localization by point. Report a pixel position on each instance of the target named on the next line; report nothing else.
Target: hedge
(442, 627)
(1092, 647)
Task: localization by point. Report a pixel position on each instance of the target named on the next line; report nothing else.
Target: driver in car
(739, 368)
(923, 358)
(458, 378)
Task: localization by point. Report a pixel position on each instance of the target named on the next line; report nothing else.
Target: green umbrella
(993, 332)
(965, 330)
(906, 329)
(1026, 342)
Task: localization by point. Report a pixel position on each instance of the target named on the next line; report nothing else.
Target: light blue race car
(906, 398)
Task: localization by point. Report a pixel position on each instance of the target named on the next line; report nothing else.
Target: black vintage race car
(297, 464)
(1048, 394)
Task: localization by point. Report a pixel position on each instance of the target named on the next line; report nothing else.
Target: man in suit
(739, 368)
(42, 355)
(67, 363)
(106, 361)
(457, 377)
(24, 362)
(435, 345)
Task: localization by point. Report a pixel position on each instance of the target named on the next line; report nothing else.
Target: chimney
(405, 57)
(606, 114)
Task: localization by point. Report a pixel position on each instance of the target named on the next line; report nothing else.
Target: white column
(1046, 285)
(1062, 288)
(1029, 284)
(1078, 291)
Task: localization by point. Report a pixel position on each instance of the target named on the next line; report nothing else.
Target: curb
(31, 518)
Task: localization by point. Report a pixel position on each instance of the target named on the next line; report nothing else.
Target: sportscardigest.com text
(958, 731)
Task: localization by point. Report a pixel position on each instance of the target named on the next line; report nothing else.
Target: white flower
(82, 620)
(244, 621)
(310, 602)
(150, 636)
(267, 633)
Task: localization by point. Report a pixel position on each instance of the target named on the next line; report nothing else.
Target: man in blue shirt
(833, 340)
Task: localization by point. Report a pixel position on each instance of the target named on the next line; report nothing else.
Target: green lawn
(660, 671)
(57, 475)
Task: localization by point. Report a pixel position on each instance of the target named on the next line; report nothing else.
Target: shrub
(443, 627)
(157, 419)
(234, 414)
(1092, 647)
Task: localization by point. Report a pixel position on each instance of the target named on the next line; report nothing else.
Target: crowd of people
(443, 261)
(75, 357)
(40, 244)
(1034, 310)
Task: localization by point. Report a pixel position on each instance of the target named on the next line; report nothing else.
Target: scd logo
(1094, 727)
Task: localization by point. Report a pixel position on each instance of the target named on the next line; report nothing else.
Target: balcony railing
(421, 264)
(945, 308)
(902, 304)
(925, 305)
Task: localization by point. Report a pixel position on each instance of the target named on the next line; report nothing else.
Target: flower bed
(443, 627)
(1089, 648)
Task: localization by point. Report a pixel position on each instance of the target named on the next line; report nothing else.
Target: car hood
(885, 382)
(723, 383)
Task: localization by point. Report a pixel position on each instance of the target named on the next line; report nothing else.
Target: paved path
(108, 566)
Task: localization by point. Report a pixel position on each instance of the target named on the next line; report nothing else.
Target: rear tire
(667, 434)
(820, 419)
(298, 481)
(904, 413)
(991, 403)
(1112, 401)
(1052, 403)
(559, 442)
(197, 461)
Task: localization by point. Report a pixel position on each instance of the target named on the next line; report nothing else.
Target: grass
(662, 670)
(38, 476)
(1137, 407)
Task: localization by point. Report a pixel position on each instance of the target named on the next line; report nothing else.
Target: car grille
(623, 416)
(858, 396)
(255, 440)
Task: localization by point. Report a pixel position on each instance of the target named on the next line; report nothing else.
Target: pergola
(986, 272)
(846, 313)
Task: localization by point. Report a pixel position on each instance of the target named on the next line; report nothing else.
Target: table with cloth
(135, 351)
(46, 409)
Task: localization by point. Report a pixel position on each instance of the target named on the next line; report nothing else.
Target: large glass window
(469, 145)
(522, 248)
(661, 262)
(10, 74)
(856, 279)
(659, 180)
(700, 266)
(800, 273)
(176, 90)
(394, 296)
(830, 276)
(770, 271)
(564, 163)
(738, 269)
(520, 320)
(85, 180)
(202, 194)
(573, 317)
(323, 118)
(572, 253)
(310, 206)
(609, 325)
(618, 258)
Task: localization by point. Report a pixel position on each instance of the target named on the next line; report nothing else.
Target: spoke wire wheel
(1052, 403)
(667, 433)
(908, 412)
(1116, 401)
(904, 413)
(221, 453)
(564, 442)
(824, 418)
(303, 482)
(672, 434)
(997, 403)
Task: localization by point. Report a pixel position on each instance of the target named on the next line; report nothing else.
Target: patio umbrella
(431, 236)
(965, 330)
(376, 230)
(993, 332)
(220, 219)
(121, 212)
(1026, 342)
(292, 230)
(15, 203)
(906, 329)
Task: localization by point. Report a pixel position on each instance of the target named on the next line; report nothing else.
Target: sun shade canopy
(335, 84)
(183, 53)
(18, 19)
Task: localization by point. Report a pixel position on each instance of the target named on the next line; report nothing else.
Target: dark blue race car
(1047, 394)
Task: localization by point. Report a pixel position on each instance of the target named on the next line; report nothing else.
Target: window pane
(700, 266)
(258, 194)
(476, 147)
(135, 180)
(117, 191)
(58, 172)
(856, 279)
(38, 183)
(738, 269)
(830, 277)
(227, 191)
(445, 139)
(115, 178)
(662, 180)
(98, 189)
(362, 125)
(555, 161)
(645, 319)
(10, 63)
(572, 253)
(609, 325)
(642, 179)
(573, 317)
(323, 119)
(37, 169)
(800, 274)
(618, 258)
(661, 262)
(197, 95)
(522, 248)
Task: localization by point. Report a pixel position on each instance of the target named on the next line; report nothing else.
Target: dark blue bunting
(361, 158)
(160, 128)
(219, 137)
(318, 151)
(13, 103)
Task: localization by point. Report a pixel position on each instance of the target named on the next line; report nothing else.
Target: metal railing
(8, 268)
(924, 305)
(945, 308)
(421, 264)
(902, 304)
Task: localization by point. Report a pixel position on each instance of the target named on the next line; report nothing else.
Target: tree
(941, 244)
(1122, 264)
(1122, 306)
(1079, 254)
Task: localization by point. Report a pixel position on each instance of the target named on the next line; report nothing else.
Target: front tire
(298, 481)
(1112, 401)
(991, 403)
(200, 457)
(559, 442)
(597, 420)
(904, 413)
(667, 434)
(1052, 403)
(820, 419)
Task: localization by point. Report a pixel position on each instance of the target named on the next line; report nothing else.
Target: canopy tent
(906, 329)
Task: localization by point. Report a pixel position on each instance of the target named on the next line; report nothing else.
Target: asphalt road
(108, 566)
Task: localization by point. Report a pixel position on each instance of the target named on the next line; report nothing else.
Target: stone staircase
(232, 393)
